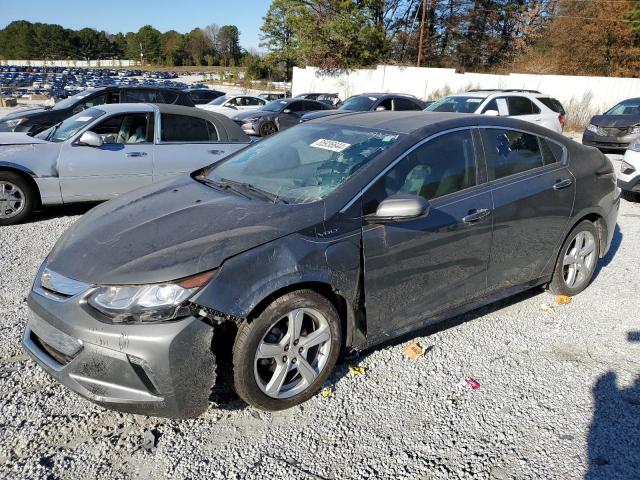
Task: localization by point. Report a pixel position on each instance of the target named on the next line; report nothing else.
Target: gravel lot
(559, 396)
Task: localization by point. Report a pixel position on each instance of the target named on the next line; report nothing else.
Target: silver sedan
(108, 150)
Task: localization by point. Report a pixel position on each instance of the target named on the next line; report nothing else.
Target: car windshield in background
(219, 100)
(628, 107)
(275, 106)
(358, 104)
(71, 101)
(303, 164)
(72, 125)
(456, 104)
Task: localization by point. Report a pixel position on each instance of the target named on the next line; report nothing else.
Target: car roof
(412, 122)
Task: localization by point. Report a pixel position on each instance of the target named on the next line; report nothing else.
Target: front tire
(17, 198)
(267, 129)
(577, 260)
(630, 196)
(282, 357)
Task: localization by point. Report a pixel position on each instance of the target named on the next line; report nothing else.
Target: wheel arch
(601, 227)
(25, 174)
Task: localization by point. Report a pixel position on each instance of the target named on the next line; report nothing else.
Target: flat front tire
(282, 357)
(17, 198)
(577, 260)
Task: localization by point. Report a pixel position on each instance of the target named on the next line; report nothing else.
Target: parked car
(200, 96)
(616, 128)
(528, 105)
(231, 105)
(107, 150)
(272, 255)
(372, 102)
(277, 116)
(329, 98)
(629, 176)
(271, 96)
(39, 119)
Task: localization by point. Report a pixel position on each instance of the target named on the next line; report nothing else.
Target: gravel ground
(559, 396)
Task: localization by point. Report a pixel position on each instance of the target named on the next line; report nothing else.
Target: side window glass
(141, 96)
(113, 97)
(167, 96)
(551, 151)
(296, 107)
(492, 105)
(183, 128)
(519, 106)
(234, 102)
(512, 152)
(95, 101)
(251, 102)
(384, 105)
(123, 129)
(213, 132)
(441, 166)
(406, 104)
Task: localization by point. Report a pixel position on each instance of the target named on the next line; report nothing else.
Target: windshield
(72, 125)
(275, 106)
(456, 104)
(219, 100)
(303, 164)
(359, 103)
(71, 101)
(628, 107)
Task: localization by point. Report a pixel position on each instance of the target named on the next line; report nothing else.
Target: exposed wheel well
(29, 179)
(601, 227)
(324, 289)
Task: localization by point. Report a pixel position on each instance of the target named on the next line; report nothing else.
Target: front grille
(57, 355)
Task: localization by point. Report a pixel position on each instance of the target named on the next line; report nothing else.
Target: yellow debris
(413, 351)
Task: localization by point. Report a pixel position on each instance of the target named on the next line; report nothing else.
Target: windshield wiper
(272, 197)
(222, 186)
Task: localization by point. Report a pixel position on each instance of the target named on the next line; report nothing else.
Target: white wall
(599, 92)
(71, 63)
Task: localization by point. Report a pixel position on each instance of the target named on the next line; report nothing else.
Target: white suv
(529, 105)
(629, 177)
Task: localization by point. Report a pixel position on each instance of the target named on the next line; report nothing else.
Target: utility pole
(424, 11)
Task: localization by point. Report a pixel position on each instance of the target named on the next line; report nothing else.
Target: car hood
(18, 138)
(253, 113)
(169, 231)
(323, 113)
(616, 120)
(23, 113)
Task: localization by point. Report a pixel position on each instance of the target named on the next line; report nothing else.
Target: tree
(173, 48)
(228, 44)
(197, 45)
(279, 38)
(147, 40)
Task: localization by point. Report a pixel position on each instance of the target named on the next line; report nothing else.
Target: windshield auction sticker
(83, 119)
(332, 145)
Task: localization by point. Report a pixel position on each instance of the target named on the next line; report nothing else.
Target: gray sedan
(108, 150)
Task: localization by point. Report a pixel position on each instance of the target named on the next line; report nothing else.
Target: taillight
(561, 120)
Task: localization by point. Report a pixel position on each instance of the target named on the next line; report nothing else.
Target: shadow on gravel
(614, 434)
(616, 241)
(61, 211)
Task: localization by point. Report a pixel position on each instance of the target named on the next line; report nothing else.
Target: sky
(129, 15)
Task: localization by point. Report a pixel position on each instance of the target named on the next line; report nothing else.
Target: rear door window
(521, 106)
(511, 152)
(183, 128)
(167, 96)
(405, 104)
(141, 96)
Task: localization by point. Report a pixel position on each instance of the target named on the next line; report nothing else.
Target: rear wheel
(268, 128)
(283, 357)
(17, 198)
(577, 260)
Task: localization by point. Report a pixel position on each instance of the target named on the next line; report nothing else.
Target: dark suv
(35, 120)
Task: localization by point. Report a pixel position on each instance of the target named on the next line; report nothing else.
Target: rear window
(183, 128)
(552, 103)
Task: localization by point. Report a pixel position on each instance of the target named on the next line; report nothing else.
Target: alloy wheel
(579, 259)
(12, 199)
(292, 353)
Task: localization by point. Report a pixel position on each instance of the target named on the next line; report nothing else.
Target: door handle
(560, 184)
(475, 215)
(215, 152)
(137, 154)
(538, 119)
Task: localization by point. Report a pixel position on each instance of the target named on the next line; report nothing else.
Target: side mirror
(492, 113)
(400, 207)
(286, 110)
(91, 139)
(233, 107)
(380, 109)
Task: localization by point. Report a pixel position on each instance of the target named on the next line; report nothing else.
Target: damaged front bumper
(163, 369)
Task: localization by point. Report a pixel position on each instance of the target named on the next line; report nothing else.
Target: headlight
(635, 129)
(593, 128)
(251, 120)
(635, 145)
(147, 303)
(14, 122)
